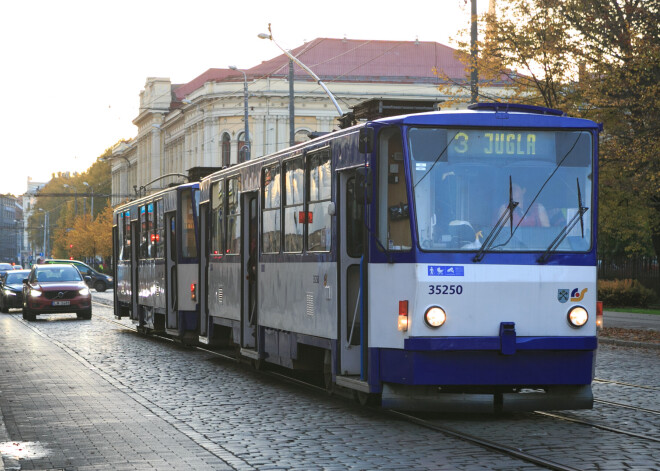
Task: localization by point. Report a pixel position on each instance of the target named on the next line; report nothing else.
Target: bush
(624, 293)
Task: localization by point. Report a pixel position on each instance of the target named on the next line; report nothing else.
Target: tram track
(621, 383)
(504, 449)
(597, 425)
(490, 445)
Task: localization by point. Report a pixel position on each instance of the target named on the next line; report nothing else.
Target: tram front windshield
(465, 180)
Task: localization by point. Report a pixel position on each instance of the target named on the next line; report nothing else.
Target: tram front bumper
(432, 399)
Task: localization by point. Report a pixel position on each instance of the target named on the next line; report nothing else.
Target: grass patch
(635, 310)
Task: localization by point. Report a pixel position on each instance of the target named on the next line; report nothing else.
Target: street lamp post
(46, 230)
(304, 67)
(245, 100)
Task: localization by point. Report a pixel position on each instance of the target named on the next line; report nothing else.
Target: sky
(71, 71)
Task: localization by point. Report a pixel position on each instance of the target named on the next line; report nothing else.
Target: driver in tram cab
(537, 216)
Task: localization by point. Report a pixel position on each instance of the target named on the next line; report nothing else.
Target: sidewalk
(58, 412)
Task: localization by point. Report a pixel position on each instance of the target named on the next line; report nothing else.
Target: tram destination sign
(497, 143)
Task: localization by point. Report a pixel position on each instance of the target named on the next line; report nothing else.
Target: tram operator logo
(576, 295)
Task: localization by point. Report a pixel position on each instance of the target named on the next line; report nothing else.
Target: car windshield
(15, 278)
(5, 266)
(466, 181)
(59, 274)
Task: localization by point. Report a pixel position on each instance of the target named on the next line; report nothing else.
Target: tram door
(351, 249)
(135, 263)
(203, 274)
(250, 270)
(170, 266)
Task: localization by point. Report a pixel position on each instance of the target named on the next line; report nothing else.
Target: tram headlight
(578, 316)
(435, 316)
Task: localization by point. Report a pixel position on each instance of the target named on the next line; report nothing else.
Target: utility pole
(474, 52)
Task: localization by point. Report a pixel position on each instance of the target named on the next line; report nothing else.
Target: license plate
(61, 303)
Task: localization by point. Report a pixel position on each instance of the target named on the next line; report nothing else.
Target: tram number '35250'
(445, 289)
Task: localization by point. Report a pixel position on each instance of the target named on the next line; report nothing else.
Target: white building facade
(201, 123)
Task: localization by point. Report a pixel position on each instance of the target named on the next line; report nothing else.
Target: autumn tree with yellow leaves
(595, 59)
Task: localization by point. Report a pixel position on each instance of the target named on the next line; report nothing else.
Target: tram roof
(490, 118)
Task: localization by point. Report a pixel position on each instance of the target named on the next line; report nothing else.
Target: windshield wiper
(538, 193)
(552, 248)
(499, 225)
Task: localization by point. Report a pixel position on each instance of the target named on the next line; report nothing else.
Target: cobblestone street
(94, 395)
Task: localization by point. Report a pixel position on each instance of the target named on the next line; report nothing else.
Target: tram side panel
(224, 294)
(299, 297)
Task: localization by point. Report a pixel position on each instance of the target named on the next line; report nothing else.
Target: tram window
(217, 217)
(158, 230)
(233, 217)
(144, 233)
(319, 222)
(354, 220)
(293, 205)
(188, 238)
(393, 210)
(172, 230)
(151, 237)
(127, 236)
(271, 228)
(120, 236)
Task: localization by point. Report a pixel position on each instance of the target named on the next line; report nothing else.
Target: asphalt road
(628, 320)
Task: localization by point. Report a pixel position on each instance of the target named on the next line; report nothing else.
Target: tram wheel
(366, 399)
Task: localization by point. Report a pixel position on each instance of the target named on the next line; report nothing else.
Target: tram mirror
(363, 185)
(331, 208)
(366, 140)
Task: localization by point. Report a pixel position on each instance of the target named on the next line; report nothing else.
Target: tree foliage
(68, 202)
(597, 59)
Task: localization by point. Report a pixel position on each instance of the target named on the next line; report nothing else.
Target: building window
(301, 136)
(226, 150)
(243, 149)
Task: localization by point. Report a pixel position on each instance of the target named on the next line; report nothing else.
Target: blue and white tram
(437, 261)
(157, 261)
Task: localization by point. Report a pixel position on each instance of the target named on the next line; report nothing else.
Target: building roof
(351, 60)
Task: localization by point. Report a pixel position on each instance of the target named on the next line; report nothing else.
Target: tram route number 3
(445, 289)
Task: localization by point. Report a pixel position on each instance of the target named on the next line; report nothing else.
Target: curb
(629, 343)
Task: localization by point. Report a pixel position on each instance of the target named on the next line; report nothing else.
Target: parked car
(11, 289)
(56, 288)
(5, 267)
(100, 282)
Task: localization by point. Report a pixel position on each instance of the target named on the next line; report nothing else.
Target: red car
(56, 289)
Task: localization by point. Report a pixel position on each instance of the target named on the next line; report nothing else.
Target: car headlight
(578, 316)
(9, 292)
(435, 316)
(84, 291)
(109, 279)
(35, 293)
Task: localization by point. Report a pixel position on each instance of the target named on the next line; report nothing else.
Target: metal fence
(644, 269)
